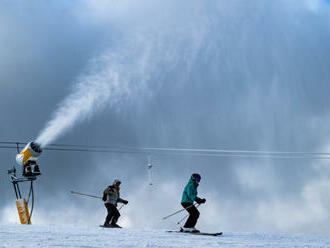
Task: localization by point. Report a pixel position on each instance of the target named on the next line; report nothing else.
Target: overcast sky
(241, 75)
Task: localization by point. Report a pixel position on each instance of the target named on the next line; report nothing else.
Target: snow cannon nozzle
(28, 157)
(36, 147)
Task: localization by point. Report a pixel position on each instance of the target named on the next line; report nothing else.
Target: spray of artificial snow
(116, 75)
(88, 94)
(109, 80)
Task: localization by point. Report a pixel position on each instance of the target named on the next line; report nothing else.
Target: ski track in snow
(92, 237)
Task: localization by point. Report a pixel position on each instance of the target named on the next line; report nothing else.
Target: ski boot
(106, 224)
(189, 229)
(114, 225)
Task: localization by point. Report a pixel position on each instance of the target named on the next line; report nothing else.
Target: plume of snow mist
(106, 82)
(141, 60)
(87, 95)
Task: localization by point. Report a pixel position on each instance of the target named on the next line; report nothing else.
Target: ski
(199, 233)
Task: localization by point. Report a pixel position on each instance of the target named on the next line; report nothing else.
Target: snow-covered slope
(70, 236)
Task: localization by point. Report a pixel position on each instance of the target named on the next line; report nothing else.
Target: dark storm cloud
(236, 75)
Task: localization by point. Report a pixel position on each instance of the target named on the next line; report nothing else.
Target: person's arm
(104, 197)
(105, 194)
(122, 201)
(191, 192)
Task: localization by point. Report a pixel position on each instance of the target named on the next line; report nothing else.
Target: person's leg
(116, 215)
(193, 215)
(110, 214)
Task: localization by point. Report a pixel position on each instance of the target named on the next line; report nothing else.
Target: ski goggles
(198, 179)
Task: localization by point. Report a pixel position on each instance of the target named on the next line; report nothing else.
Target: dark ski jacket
(190, 192)
(111, 195)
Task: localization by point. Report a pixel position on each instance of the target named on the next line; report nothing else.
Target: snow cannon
(28, 157)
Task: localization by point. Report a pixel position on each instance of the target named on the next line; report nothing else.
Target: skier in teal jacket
(189, 195)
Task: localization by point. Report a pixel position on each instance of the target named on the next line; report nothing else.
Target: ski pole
(179, 211)
(94, 196)
(121, 207)
(78, 193)
(179, 222)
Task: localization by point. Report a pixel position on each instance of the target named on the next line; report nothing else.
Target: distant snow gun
(28, 159)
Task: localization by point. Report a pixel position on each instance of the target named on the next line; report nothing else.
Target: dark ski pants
(193, 214)
(113, 214)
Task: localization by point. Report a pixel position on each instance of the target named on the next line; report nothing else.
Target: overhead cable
(178, 151)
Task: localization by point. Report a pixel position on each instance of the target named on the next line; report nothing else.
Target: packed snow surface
(72, 236)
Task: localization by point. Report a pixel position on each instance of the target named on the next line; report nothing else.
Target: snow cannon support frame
(21, 203)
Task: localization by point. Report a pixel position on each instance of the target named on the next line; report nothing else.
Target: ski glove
(125, 202)
(200, 201)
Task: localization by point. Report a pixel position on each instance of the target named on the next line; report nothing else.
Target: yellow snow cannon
(28, 157)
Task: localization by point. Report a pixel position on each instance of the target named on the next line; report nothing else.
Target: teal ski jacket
(190, 192)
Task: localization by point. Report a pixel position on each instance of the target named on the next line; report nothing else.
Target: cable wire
(170, 151)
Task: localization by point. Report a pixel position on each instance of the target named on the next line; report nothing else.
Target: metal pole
(14, 184)
(19, 192)
(32, 205)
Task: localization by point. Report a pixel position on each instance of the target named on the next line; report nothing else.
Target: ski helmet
(116, 182)
(196, 177)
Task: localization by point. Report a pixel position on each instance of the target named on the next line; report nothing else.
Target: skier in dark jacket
(188, 197)
(111, 197)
